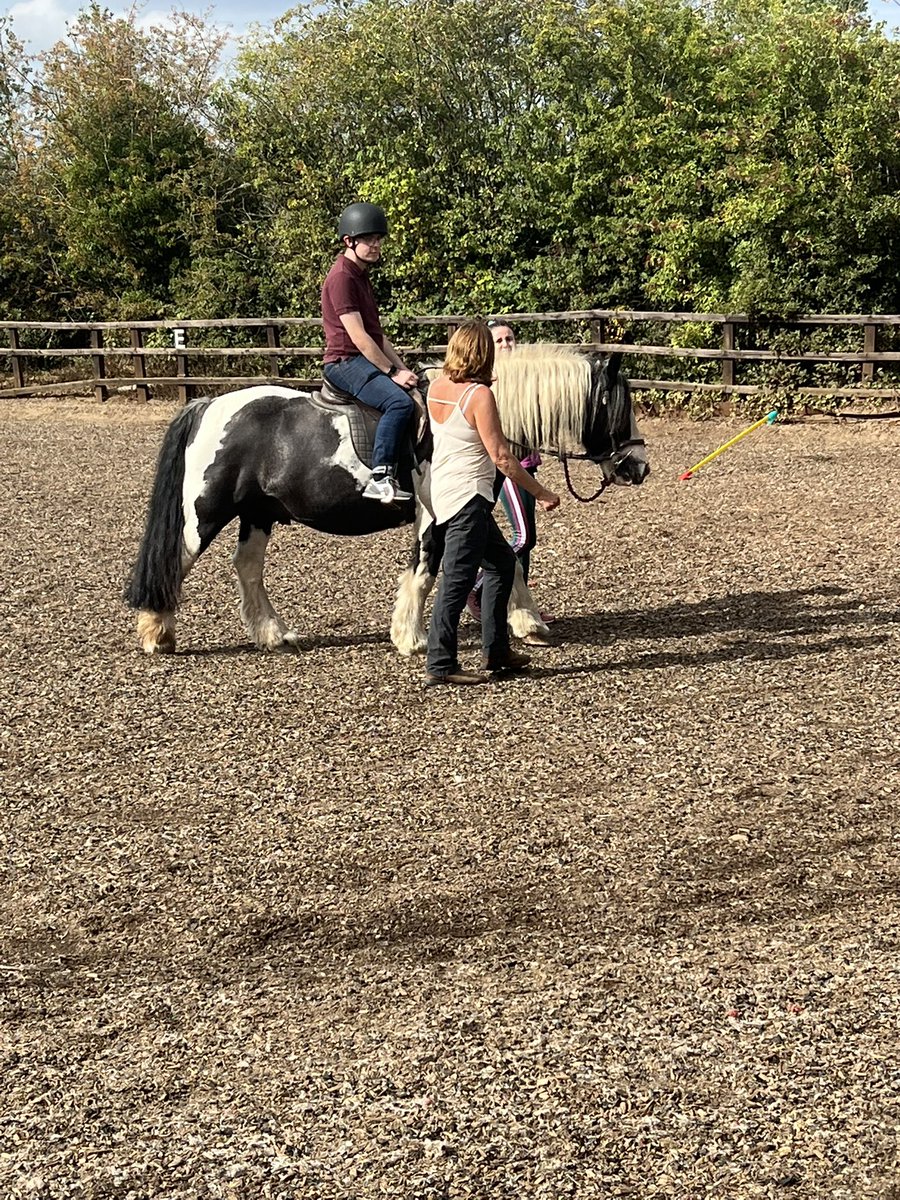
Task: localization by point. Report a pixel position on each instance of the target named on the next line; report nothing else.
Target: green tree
(447, 113)
(29, 247)
(126, 150)
(540, 154)
(809, 195)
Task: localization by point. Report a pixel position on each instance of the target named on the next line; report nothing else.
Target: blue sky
(42, 22)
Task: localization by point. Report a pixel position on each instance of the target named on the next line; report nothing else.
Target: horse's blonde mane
(541, 391)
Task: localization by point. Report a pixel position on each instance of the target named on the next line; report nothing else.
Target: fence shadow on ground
(787, 877)
(322, 641)
(750, 626)
(777, 614)
(782, 875)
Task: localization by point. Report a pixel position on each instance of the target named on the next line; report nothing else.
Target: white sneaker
(386, 489)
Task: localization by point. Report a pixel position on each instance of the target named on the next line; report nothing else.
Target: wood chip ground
(290, 927)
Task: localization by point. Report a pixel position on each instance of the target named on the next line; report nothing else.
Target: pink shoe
(473, 604)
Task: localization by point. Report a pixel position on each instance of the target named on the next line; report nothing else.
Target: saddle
(362, 419)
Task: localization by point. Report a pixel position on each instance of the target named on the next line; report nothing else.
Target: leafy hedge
(539, 155)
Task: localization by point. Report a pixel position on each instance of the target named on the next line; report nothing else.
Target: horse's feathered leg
(524, 615)
(163, 561)
(260, 619)
(156, 631)
(408, 631)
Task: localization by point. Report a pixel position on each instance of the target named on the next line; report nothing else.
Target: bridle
(621, 451)
(616, 459)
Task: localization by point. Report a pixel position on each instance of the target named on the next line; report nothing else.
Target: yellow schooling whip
(768, 419)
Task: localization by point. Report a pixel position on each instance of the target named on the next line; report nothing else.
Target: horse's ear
(611, 368)
(620, 332)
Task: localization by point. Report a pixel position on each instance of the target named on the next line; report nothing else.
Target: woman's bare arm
(481, 412)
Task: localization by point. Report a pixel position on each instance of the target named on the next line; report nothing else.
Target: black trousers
(472, 539)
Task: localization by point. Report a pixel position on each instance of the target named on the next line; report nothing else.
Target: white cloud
(40, 23)
(155, 19)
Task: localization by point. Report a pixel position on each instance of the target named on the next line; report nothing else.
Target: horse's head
(555, 399)
(611, 435)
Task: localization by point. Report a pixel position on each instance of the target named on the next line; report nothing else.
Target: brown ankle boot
(511, 660)
(458, 676)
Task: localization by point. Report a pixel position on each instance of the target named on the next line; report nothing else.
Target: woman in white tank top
(468, 445)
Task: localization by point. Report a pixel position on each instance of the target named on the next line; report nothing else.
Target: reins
(604, 483)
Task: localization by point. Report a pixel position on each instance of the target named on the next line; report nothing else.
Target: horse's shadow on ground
(761, 626)
(774, 613)
(743, 651)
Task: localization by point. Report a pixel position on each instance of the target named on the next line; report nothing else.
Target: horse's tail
(157, 575)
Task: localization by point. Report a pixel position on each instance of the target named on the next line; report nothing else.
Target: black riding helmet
(359, 219)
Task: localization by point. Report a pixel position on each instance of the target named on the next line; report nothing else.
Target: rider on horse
(359, 358)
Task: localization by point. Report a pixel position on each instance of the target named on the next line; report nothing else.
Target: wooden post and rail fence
(133, 347)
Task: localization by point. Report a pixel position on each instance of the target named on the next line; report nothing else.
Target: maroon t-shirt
(347, 288)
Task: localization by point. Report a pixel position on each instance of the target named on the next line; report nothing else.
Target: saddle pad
(360, 423)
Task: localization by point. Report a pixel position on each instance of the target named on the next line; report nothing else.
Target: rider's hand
(549, 501)
(404, 378)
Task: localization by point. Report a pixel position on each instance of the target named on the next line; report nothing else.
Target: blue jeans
(369, 384)
(472, 540)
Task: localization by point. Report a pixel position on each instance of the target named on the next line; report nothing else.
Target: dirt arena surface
(290, 927)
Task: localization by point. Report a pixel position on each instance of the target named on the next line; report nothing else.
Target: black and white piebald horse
(274, 455)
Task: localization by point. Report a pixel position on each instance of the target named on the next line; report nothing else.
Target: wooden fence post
(140, 371)
(273, 339)
(869, 346)
(182, 369)
(18, 373)
(728, 363)
(99, 364)
(598, 331)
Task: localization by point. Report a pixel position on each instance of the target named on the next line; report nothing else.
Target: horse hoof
(166, 647)
(156, 632)
(271, 635)
(538, 638)
(410, 649)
